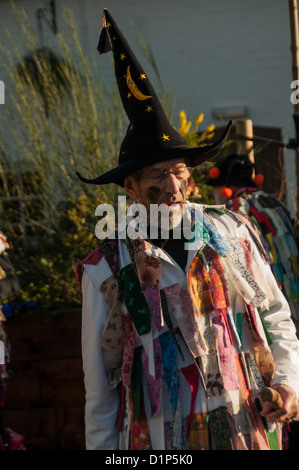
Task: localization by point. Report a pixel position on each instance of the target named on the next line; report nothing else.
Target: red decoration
(214, 172)
(258, 179)
(227, 192)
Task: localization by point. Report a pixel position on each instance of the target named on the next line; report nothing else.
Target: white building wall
(210, 53)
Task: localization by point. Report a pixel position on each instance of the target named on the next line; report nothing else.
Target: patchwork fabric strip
(121, 406)
(271, 435)
(107, 249)
(208, 291)
(240, 417)
(252, 320)
(255, 271)
(216, 242)
(262, 218)
(177, 425)
(263, 358)
(154, 384)
(205, 231)
(182, 309)
(199, 231)
(112, 336)
(253, 230)
(191, 374)
(136, 383)
(110, 251)
(113, 332)
(149, 268)
(199, 433)
(135, 300)
(227, 353)
(140, 436)
(240, 276)
(93, 258)
(129, 349)
(168, 321)
(169, 435)
(218, 420)
(210, 366)
(207, 288)
(256, 377)
(169, 365)
(152, 295)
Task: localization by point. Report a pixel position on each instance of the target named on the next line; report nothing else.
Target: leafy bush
(59, 117)
(198, 190)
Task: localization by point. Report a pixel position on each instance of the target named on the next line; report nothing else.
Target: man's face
(161, 183)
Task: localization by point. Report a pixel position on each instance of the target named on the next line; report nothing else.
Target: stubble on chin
(173, 214)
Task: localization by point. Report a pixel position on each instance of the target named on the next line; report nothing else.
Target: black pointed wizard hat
(150, 137)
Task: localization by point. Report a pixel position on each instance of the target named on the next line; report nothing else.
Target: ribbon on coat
(169, 365)
(191, 374)
(154, 384)
(112, 336)
(135, 301)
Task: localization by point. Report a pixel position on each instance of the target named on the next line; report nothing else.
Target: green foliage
(59, 117)
(47, 267)
(197, 190)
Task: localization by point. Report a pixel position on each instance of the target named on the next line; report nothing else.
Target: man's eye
(181, 173)
(158, 174)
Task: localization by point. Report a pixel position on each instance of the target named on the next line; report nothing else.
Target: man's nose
(172, 184)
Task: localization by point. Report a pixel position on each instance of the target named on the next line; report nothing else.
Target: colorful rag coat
(176, 359)
(273, 220)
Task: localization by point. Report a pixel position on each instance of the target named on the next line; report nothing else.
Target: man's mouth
(173, 205)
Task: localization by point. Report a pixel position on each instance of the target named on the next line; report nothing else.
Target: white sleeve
(285, 344)
(101, 409)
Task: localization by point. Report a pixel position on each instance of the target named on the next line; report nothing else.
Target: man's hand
(289, 410)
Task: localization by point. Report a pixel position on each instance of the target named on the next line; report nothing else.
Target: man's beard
(163, 220)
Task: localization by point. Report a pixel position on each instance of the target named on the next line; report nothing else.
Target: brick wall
(45, 397)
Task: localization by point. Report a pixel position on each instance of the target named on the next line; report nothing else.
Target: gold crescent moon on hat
(134, 88)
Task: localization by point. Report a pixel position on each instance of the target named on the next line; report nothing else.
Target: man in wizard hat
(181, 332)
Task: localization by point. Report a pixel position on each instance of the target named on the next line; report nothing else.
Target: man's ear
(130, 187)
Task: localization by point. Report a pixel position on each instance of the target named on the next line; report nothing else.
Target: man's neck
(174, 246)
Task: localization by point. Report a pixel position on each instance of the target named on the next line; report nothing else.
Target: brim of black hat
(196, 156)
